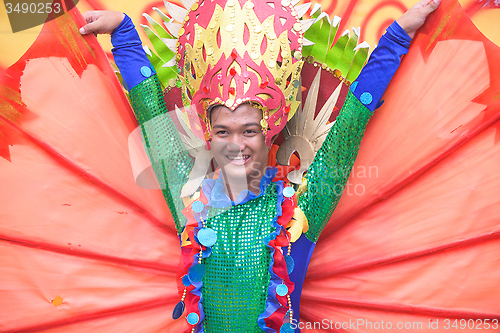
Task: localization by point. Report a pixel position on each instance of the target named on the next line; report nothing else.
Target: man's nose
(236, 143)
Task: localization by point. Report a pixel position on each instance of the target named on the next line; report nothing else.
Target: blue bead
(290, 263)
(196, 273)
(193, 318)
(146, 71)
(353, 86)
(198, 206)
(185, 281)
(125, 85)
(288, 192)
(287, 328)
(282, 290)
(178, 310)
(152, 68)
(366, 98)
(207, 237)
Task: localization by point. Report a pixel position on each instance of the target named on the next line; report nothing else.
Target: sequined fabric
(165, 150)
(235, 285)
(328, 174)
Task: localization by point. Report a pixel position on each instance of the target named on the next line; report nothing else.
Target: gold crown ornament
(239, 51)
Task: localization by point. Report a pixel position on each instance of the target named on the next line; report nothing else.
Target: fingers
(415, 17)
(83, 30)
(92, 27)
(101, 21)
(431, 6)
(425, 7)
(428, 9)
(91, 17)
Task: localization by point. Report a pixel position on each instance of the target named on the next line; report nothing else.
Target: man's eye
(221, 133)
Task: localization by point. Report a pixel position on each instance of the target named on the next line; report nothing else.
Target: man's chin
(243, 173)
(235, 172)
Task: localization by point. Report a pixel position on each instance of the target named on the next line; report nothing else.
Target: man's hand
(415, 17)
(101, 22)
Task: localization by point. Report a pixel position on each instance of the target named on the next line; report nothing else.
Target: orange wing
(80, 243)
(415, 236)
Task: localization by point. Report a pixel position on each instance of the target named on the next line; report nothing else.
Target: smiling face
(238, 144)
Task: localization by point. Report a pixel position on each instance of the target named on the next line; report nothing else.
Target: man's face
(238, 144)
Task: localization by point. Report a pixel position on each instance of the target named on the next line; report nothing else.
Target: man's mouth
(240, 159)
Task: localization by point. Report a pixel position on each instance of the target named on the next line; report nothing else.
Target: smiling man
(246, 238)
(239, 147)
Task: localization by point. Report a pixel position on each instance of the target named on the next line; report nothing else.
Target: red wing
(74, 227)
(415, 236)
(419, 243)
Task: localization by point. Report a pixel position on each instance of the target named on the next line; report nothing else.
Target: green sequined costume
(235, 285)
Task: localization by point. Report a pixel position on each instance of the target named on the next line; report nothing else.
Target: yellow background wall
(373, 16)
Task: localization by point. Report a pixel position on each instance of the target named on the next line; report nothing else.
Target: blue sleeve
(129, 55)
(380, 68)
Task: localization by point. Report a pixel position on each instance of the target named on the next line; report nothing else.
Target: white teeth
(233, 158)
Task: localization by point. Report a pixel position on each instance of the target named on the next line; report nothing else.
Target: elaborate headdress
(230, 53)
